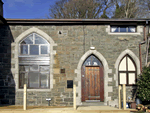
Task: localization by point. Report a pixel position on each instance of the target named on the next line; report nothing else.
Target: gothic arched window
(34, 62)
(127, 71)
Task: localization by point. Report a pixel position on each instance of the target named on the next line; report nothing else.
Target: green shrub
(143, 84)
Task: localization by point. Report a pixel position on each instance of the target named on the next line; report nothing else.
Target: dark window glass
(34, 79)
(44, 50)
(95, 61)
(44, 80)
(24, 49)
(34, 50)
(23, 78)
(92, 60)
(88, 61)
(39, 40)
(23, 68)
(69, 83)
(123, 29)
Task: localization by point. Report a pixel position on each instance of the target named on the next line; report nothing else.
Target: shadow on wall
(7, 83)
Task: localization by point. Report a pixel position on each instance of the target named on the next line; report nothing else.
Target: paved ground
(86, 109)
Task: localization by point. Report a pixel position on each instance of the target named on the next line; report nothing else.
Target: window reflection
(123, 29)
(24, 49)
(34, 79)
(39, 40)
(34, 50)
(44, 49)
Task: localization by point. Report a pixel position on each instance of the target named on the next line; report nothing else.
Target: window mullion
(28, 49)
(127, 70)
(33, 38)
(39, 78)
(39, 49)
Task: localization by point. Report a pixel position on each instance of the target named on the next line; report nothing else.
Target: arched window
(34, 45)
(92, 61)
(34, 62)
(127, 71)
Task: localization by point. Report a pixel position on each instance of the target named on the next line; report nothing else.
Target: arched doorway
(92, 79)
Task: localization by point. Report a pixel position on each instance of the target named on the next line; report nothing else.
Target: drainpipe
(140, 54)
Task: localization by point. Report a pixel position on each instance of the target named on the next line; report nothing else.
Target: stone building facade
(70, 42)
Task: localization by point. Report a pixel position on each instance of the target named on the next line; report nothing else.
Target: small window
(69, 83)
(123, 29)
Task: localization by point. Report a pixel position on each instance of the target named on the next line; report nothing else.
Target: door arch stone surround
(106, 71)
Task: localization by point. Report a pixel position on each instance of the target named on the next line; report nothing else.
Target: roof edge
(64, 21)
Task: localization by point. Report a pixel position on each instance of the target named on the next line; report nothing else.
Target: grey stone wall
(74, 41)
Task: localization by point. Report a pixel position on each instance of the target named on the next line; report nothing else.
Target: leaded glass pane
(92, 61)
(87, 61)
(23, 68)
(95, 61)
(131, 66)
(34, 79)
(24, 49)
(131, 29)
(34, 49)
(23, 79)
(39, 40)
(34, 68)
(123, 29)
(44, 50)
(44, 80)
(123, 78)
(44, 68)
(114, 29)
(28, 40)
(131, 78)
(123, 65)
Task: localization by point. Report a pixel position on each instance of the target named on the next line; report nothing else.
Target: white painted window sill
(124, 33)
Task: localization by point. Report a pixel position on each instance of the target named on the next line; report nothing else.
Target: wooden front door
(92, 83)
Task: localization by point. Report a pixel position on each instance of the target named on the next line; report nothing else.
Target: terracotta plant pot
(133, 105)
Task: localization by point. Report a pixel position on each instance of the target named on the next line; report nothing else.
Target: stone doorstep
(92, 100)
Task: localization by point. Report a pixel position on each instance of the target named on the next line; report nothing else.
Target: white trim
(16, 51)
(133, 56)
(106, 71)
